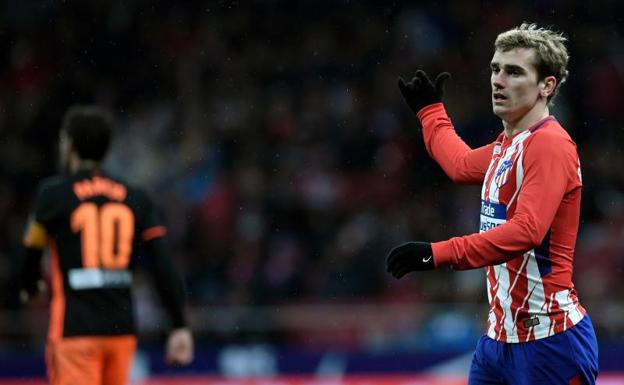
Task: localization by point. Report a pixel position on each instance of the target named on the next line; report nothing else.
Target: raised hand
(421, 91)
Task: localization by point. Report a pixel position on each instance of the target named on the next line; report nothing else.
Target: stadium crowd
(274, 139)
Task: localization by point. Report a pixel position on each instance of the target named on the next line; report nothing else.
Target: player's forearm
(526, 230)
(457, 159)
(492, 247)
(173, 301)
(549, 167)
(168, 283)
(171, 292)
(30, 270)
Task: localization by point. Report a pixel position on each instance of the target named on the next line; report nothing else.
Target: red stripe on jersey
(499, 331)
(519, 292)
(556, 315)
(490, 175)
(495, 306)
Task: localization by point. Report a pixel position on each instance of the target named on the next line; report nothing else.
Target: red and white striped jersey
(530, 207)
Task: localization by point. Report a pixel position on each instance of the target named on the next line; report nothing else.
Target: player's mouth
(498, 98)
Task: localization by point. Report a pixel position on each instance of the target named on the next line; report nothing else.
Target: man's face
(514, 81)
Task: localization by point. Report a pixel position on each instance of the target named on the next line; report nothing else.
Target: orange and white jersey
(530, 207)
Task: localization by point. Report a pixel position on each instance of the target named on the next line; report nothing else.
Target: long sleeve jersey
(530, 207)
(93, 225)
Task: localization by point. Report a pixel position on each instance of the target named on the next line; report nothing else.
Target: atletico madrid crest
(503, 173)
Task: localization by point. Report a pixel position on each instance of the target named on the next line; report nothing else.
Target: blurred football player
(92, 224)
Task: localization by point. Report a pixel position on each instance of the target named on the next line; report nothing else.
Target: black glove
(410, 256)
(421, 91)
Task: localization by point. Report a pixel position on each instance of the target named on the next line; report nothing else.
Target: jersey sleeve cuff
(431, 111)
(442, 253)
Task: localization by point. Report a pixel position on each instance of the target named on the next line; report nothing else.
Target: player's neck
(525, 122)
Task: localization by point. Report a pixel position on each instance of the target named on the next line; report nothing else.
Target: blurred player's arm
(34, 243)
(179, 349)
(457, 159)
(37, 239)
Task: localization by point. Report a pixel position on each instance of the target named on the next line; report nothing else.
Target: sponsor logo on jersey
(492, 215)
(95, 278)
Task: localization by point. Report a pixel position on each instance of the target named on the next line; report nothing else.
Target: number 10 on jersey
(106, 234)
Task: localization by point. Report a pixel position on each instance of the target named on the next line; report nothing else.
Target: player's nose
(498, 81)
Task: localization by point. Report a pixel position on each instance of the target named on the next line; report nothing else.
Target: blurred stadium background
(273, 137)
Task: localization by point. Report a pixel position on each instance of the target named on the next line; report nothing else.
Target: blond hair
(550, 50)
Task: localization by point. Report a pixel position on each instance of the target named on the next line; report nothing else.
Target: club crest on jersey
(503, 173)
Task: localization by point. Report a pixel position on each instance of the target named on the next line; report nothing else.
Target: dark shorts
(568, 358)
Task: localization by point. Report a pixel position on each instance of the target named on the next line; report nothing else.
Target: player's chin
(499, 111)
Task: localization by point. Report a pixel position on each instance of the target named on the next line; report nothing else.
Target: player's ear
(547, 86)
(66, 148)
(70, 145)
(63, 136)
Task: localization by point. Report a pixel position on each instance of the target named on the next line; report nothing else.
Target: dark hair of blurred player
(85, 135)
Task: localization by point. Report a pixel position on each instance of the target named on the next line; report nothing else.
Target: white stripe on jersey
(526, 297)
(519, 174)
(491, 316)
(495, 153)
(504, 287)
(489, 291)
(537, 297)
(569, 307)
(554, 322)
(491, 169)
(521, 137)
(501, 282)
(493, 190)
(503, 298)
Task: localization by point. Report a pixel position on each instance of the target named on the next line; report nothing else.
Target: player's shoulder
(551, 133)
(52, 185)
(51, 196)
(135, 193)
(551, 143)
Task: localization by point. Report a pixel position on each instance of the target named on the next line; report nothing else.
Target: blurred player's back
(94, 222)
